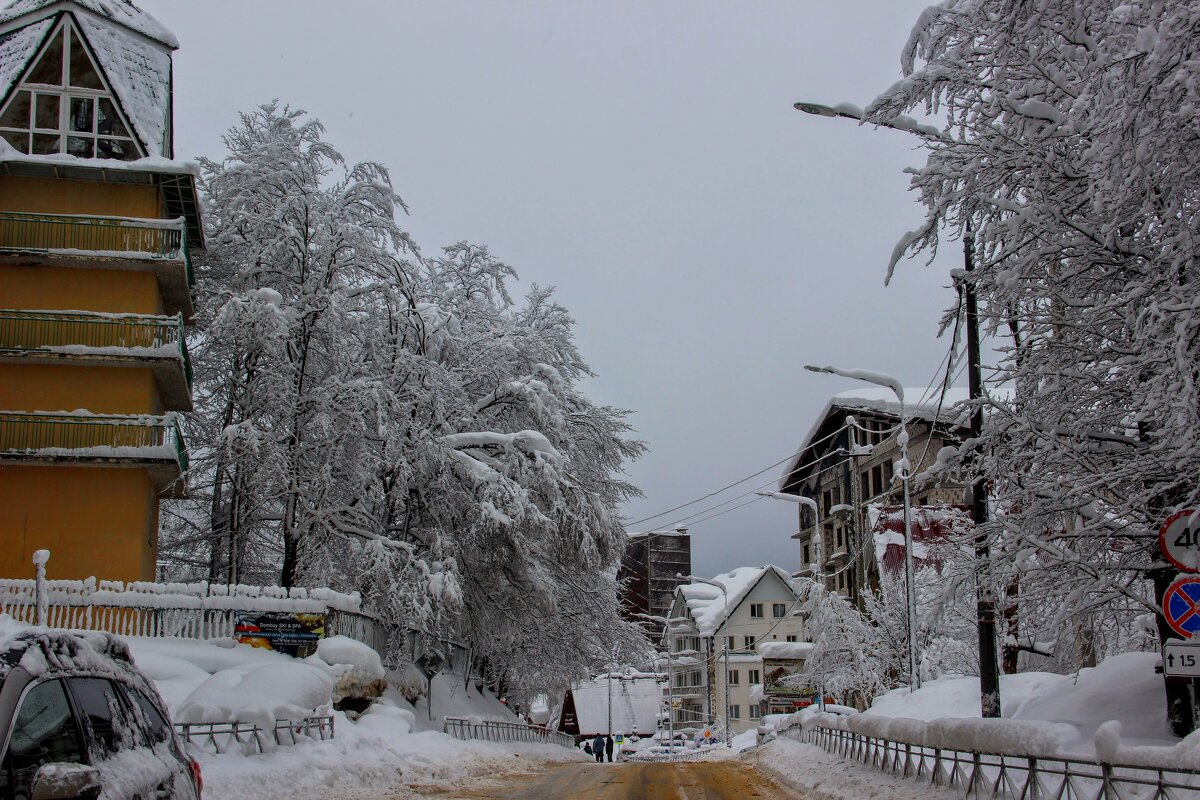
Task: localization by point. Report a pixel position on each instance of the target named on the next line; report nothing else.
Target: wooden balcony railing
(86, 333)
(111, 237)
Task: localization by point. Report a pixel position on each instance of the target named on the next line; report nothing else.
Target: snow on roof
(636, 702)
(122, 12)
(881, 401)
(16, 48)
(140, 75)
(151, 165)
(707, 603)
(784, 650)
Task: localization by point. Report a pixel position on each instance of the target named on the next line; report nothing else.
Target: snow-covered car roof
(46, 652)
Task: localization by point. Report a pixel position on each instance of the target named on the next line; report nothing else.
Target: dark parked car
(77, 720)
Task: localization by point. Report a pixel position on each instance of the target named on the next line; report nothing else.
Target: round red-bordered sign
(1172, 536)
(1181, 605)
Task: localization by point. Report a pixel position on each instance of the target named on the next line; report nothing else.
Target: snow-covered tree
(1067, 158)
(378, 421)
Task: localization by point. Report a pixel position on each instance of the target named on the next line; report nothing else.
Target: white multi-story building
(714, 662)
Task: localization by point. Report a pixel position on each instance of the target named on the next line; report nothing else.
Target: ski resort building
(715, 660)
(647, 575)
(97, 227)
(846, 466)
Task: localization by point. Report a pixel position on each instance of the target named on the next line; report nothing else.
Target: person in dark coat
(598, 748)
(608, 747)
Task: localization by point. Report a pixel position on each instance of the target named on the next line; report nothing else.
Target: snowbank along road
(702, 780)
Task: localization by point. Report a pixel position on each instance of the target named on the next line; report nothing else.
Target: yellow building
(96, 228)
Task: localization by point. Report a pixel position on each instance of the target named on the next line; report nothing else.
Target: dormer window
(64, 106)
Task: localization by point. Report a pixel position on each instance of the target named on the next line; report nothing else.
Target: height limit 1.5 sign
(1179, 539)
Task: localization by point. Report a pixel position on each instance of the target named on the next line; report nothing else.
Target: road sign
(430, 664)
(1181, 605)
(1179, 539)
(1181, 659)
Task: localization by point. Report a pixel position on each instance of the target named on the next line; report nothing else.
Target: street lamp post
(910, 600)
(817, 540)
(724, 643)
(989, 667)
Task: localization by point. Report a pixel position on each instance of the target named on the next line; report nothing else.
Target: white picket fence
(199, 610)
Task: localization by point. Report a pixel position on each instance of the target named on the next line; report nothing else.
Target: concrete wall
(67, 387)
(94, 520)
(59, 196)
(63, 289)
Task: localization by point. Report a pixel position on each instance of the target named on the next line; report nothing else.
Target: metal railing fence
(37, 330)
(102, 236)
(463, 728)
(31, 433)
(221, 736)
(994, 775)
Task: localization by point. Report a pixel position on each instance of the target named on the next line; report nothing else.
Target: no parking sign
(1181, 605)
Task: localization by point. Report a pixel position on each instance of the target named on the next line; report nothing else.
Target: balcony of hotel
(66, 240)
(91, 338)
(148, 442)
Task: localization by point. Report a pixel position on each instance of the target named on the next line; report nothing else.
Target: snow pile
(818, 775)
(1124, 687)
(394, 741)
(1115, 711)
(261, 695)
(358, 669)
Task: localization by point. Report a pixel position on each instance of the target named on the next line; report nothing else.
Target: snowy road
(704, 780)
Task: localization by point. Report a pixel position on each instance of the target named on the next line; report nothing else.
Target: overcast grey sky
(645, 158)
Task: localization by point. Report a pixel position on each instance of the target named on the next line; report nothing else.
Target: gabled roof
(122, 12)
(707, 603)
(881, 402)
(132, 50)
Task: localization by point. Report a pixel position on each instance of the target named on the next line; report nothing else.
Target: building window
(805, 558)
(754, 677)
(841, 580)
(731, 645)
(778, 610)
(733, 677)
(755, 711)
(756, 610)
(63, 107)
(791, 637)
(735, 712)
(864, 485)
(750, 641)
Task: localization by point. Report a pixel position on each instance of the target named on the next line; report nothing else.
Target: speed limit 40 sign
(1179, 539)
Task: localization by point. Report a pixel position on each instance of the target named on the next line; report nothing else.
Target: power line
(735, 483)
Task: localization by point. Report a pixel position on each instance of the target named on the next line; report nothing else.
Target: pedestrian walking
(608, 747)
(598, 748)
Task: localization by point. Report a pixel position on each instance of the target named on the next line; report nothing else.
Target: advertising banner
(290, 632)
